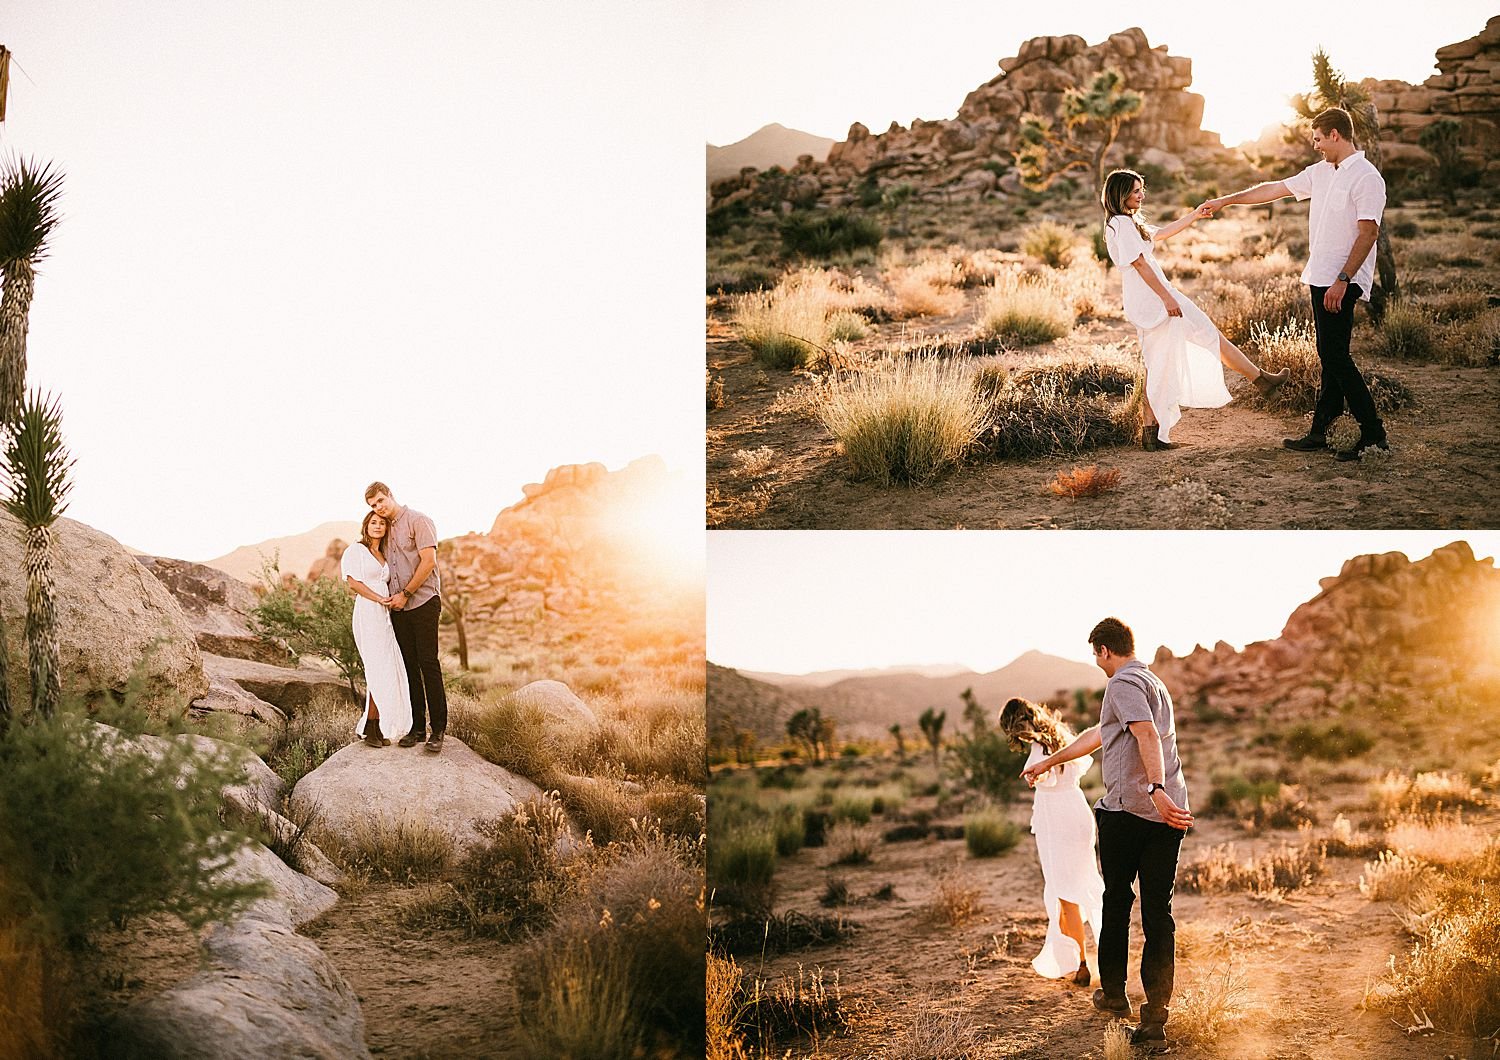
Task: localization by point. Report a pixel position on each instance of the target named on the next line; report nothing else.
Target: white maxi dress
(385, 672)
(1064, 828)
(1181, 354)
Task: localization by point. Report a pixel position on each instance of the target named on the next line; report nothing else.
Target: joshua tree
(895, 730)
(1443, 140)
(28, 214)
(931, 722)
(36, 465)
(1091, 118)
(1330, 89)
(805, 727)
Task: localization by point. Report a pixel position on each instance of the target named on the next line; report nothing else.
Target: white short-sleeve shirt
(1342, 196)
(1143, 306)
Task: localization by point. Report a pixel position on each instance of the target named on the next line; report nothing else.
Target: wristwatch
(1151, 789)
(1344, 277)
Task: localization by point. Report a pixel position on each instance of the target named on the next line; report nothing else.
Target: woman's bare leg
(1233, 358)
(1070, 922)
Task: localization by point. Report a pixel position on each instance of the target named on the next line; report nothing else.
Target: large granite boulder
(563, 716)
(112, 617)
(265, 991)
(218, 608)
(287, 688)
(450, 791)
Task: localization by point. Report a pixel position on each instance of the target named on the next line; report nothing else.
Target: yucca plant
(28, 213)
(36, 465)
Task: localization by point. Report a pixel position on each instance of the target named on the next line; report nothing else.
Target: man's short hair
(374, 488)
(1114, 635)
(1335, 119)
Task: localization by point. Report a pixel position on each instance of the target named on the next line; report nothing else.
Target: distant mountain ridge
(824, 678)
(770, 145)
(866, 706)
(295, 552)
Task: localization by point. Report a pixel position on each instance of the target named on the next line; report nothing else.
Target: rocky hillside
(962, 154)
(1386, 634)
(1465, 88)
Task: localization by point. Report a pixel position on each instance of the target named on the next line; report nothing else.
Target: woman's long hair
(364, 533)
(1117, 188)
(1025, 723)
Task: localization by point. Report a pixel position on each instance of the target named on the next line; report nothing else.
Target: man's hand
(404, 598)
(1213, 206)
(1333, 298)
(1205, 210)
(1173, 814)
(1031, 774)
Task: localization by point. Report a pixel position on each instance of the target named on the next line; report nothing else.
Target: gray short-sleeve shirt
(410, 532)
(1133, 694)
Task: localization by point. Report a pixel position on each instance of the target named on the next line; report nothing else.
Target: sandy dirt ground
(1443, 471)
(1305, 960)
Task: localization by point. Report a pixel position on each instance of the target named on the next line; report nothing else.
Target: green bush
(988, 832)
(742, 865)
(1050, 243)
(1332, 742)
(791, 830)
(1408, 331)
(311, 618)
(826, 233)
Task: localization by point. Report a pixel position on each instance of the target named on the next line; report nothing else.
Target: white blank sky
(800, 601)
(820, 65)
(310, 244)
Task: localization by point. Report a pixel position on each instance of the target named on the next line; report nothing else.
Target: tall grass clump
(1292, 345)
(1408, 331)
(824, 234)
(1050, 243)
(928, 288)
(988, 832)
(784, 327)
(1267, 303)
(1284, 868)
(1021, 312)
(401, 849)
(742, 866)
(905, 423)
(620, 971)
(1207, 1009)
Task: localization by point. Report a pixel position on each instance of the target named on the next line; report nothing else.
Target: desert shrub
(513, 737)
(1406, 230)
(851, 843)
(311, 736)
(1193, 504)
(1334, 742)
(1451, 975)
(1050, 243)
(1270, 304)
(1393, 877)
(782, 328)
(955, 900)
(748, 278)
(1262, 805)
(512, 877)
(742, 866)
(713, 387)
(790, 826)
(1020, 312)
(853, 806)
(1090, 481)
(1205, 1011)
(1230, 794)
(1036, 415)
(1397, 793)
(1293, 346)
(989, 765)
(928, 288)
(620, 971)
(845, 325)
(905, 423)
(402, 849)
(1284, 868)
(1408, 331)
(823, 234)
(1345, 840)
(310, 618)
(805, 1005)
(887, 799)
(1443, 839)
(988, 832)
(785, 932)
(722, 1038)
(933, 1032)
(1079, 378)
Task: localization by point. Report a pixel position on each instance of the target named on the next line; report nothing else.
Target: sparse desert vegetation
(1010, 296)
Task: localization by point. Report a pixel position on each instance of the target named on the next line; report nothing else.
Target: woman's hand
(1173, 309)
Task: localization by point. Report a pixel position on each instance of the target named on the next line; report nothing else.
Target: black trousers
(417, 635)
(1342, 383)
(1132, 848)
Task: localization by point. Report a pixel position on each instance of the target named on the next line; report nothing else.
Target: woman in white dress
(1181, 347)
(387, 713)
(1072, 889)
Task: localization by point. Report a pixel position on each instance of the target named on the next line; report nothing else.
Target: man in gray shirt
(411, 551)
(1141, 820)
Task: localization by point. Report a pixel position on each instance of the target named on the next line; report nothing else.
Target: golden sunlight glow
(663, 529)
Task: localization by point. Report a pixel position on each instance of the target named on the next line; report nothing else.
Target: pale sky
(820, 65)
(307, 245)
(800, 601)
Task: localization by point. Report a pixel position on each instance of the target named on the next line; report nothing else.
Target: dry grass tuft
(1193, 505)
(1291, 344)
(1438, 838)
(929, 288)
(723, 1010)
(906, 422)
(1088, 481)
(955, 900)
(931, 1033)
(381, 848)
(1345, 840)
(851, 843)
(1117, 1042)
(1268, 303)
(806, 1005)
(1060, 407)
(1050, 243)
(1022, 312)
(1284, 868)
(1393, 877)
(1397, 793)
(1210, 1007)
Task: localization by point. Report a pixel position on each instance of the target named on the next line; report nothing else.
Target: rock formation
(330, 563)
(563, 716)
(448, 791)
(1464, 89)
(1383, 629)
(961, 154)
(112, 617)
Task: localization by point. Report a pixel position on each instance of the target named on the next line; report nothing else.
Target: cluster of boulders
(973, 153)
(1465, 89)
(1384, 629)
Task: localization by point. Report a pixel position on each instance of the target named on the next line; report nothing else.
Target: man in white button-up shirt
(1348, 198)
